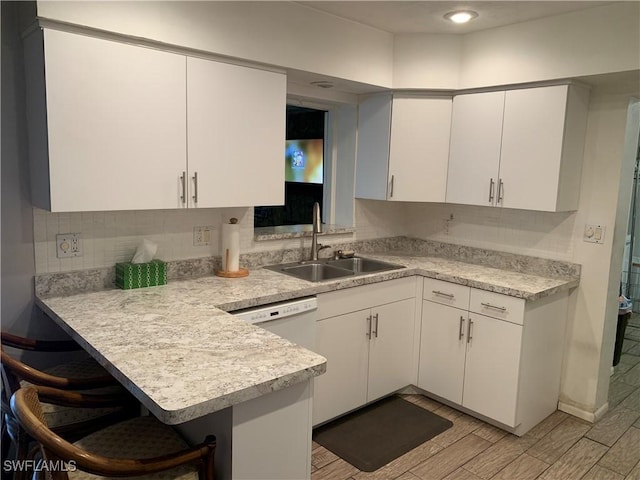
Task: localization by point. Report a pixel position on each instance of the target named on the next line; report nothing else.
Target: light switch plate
(68, 245)
(594, 233)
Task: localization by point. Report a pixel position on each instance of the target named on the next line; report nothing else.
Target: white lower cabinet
(442, 350)
(470, 359)
(341, 340)
(493, 355)
(369, 351)
(492, 367)
(390, 348)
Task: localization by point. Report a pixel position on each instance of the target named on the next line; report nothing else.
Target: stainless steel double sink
(329, 269)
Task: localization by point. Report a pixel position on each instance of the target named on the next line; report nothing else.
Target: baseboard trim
(592, 417)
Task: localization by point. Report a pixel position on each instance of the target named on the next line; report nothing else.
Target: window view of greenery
(304, 173)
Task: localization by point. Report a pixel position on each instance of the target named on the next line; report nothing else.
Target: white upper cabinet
(236, 131)
(403, 148)
(114, 126)
(419, 152)
(518, 149)
(372, 158)
(542, 148)
(474, 157)
(107, 124)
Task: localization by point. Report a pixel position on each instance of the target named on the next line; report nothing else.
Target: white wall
(17, 263)
(605, 197)
(587, 42)
(278, 33)
(427, 61)
(595, 41)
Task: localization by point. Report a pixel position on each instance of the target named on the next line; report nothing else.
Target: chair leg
(207, 469)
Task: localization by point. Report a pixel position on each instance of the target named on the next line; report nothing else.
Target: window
(304, 164)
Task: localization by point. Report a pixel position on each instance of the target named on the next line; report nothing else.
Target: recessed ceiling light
(462, 16)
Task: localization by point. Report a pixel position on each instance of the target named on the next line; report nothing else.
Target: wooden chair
(141, 446)
(83, 375)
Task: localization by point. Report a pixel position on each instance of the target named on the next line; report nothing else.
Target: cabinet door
(116, 124)
(343, 341)
(372, 165)
(476, 130)
(442, 350)
(236, 135)
(492, 368)
(533, 132)
(391, 348)
(419, 150)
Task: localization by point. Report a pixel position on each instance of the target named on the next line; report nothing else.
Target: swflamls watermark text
(39, 466)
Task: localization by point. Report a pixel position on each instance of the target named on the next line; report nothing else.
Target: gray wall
(17, 266)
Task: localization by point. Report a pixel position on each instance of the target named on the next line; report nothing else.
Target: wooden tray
(243, 272)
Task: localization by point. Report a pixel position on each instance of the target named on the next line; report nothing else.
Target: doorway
(624, 384)
(630, 282)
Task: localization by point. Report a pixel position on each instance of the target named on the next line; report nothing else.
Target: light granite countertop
(183, 357)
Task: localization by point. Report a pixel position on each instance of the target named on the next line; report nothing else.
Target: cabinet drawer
(497, 305)
(365, 296)
(446, 293)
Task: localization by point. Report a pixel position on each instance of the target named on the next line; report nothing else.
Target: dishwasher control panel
(274, 311)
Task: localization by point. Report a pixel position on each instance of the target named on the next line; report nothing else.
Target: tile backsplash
(540, 234)
(111, 237)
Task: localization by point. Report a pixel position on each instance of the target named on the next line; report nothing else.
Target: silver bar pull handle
(391, 188)
(375, 332)
(443, 294)
(491, 186)
(469, 331)
(183, 180)
(369, 326)
(461, 333)
(500, 190)
(495, 307)
(195, 187)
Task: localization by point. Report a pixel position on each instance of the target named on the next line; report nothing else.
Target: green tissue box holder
(138, 275)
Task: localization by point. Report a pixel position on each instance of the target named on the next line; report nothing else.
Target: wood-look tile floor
(562, 447)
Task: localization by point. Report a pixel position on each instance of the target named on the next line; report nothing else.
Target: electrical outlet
(202, 235)
(68, 245)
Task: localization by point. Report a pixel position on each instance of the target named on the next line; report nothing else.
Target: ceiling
(400, 17)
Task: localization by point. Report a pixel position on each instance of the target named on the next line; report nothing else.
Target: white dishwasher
(292, 319)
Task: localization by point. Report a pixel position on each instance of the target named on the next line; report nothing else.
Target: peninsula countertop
(178, 351)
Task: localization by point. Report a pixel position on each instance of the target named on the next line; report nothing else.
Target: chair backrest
(25, 404)
(23, 343)
(14, 370)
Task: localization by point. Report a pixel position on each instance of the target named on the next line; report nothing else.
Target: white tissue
(230, 244)
(145, 252)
